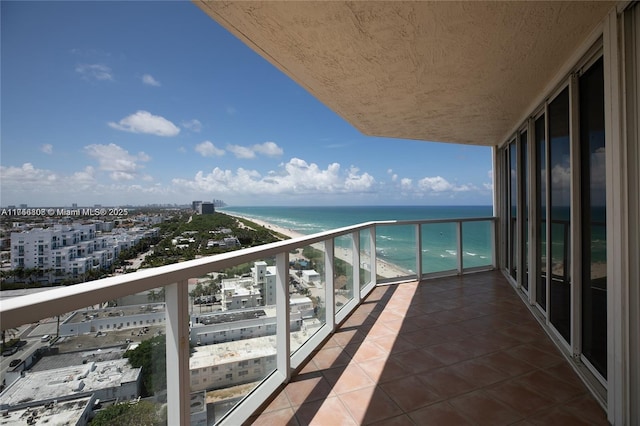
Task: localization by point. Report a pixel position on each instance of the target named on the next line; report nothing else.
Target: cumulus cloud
(35, 183)
(241, 151)
(113, 158)
(150, 81)
(269, 149)
(208, 149)
(358, 182)
(438, 184)
(405, 183)
(98, 72)
(145, 122)
(47, 148)
(193, 125)
(296, 177)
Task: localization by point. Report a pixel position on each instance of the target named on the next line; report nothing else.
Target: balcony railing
(222, 366)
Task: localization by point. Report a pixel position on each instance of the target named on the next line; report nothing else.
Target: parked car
(10, 351)
(15, 362)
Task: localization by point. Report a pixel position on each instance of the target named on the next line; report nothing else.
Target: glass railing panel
(439, 247)
(395, 252)
(232, 335)
(109, 358)
(343, 271)
(365, 258)
(307, 293)
(477, 241)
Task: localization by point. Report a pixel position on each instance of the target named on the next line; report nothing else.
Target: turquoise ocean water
(395, 244)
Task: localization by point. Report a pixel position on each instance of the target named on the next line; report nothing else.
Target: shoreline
(384, 268)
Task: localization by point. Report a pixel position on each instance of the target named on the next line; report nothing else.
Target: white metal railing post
(177, 341)
(374, 258)
(355, 261)
(459, 246)
(329, 286)
(283, 327)
(418, 251)
(494, 244)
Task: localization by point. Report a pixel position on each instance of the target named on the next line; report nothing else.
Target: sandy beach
(384, 269)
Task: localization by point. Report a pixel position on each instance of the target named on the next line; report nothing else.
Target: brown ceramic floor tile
(331, 357)
(551, 386)
(282, 417)
(506, 363)
(588, 409)
(347, 379)
(369, 405)
(445, 382)
(279, 402)
(383, 370)
(481, 409)
(559, 417)
(534, 356)
(329, 411)
(310, 387)
(440, 414)
(365, 351)
(448, 351)
(417, 361)
(479, 374)
(520, 397)
(409, 393)
(394, 343)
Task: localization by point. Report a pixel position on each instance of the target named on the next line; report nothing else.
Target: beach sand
(384, 269)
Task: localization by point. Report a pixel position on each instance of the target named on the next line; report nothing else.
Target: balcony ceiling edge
(459, 72)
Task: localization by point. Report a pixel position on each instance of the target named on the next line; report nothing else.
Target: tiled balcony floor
(452, 351)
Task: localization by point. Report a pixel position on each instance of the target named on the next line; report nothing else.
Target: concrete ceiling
(462, 72)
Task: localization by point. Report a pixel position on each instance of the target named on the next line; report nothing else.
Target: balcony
(454, 344)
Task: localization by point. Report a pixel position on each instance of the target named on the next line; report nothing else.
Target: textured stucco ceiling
(461, 72)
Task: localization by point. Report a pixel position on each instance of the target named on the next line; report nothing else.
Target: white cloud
(112, 158)
(358, 182)
(241, 151)
(208, 149)
(231, 110)
(47, 148)
(269, 149)
(98, 72)
(405, 183)
(193, 125)
(297, 177)
(145, 122)
(30, 184)
(438, 184)
(150, 81)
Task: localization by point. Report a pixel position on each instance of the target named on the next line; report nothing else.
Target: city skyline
(135, 103)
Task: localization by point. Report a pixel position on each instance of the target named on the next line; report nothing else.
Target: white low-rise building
(72, 250)
(107, 381)
(111, 319)
(237, 325)
(77, 412)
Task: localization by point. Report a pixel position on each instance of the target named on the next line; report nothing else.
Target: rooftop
(62, 382)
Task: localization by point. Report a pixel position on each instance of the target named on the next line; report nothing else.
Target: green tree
(142, 413)
(151, 356)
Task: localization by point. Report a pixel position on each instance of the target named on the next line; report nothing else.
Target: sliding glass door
(559, 180)
(593, 212)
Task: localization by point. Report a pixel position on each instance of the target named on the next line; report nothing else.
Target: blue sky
(118, 103)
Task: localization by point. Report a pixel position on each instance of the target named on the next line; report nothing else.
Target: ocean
(395, 244)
